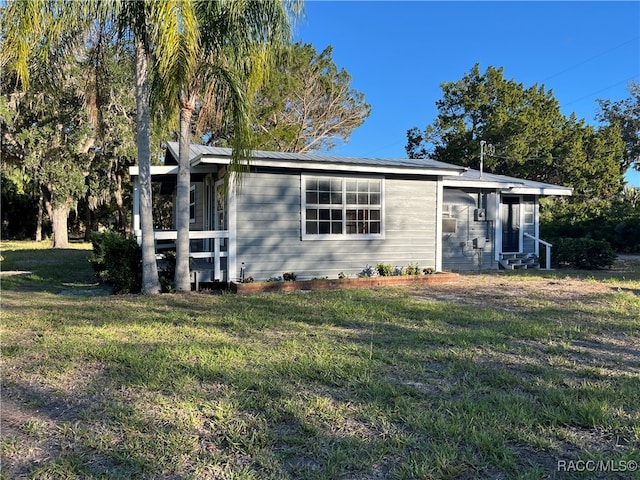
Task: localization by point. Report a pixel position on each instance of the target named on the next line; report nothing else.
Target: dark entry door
(510, 224)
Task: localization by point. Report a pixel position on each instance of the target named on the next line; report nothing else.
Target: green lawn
(352, 384)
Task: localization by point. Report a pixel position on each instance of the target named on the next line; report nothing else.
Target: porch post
(232, 273)
(136, 209)
(438, 239)
(498, 225)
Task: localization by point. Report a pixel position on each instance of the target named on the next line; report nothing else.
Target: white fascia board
(134, 171)
(515, 188)
(165, 170)
(478, 184)
(340, 167)
(540, 191)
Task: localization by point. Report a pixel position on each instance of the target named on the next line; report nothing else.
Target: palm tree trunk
(150, 280)
(182, 275)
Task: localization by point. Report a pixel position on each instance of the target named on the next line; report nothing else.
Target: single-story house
(324, 216)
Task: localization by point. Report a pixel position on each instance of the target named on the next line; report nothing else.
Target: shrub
(289, 276)
(384, 269)
(583, 253)
(413, 269)
(167, 272)
(368, 271)
(117, 260)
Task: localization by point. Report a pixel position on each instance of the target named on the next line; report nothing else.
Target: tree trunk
(123, 223)
(40, 217)
(59, 216)
(59, 220)
(88, 223)
(182, 275)
(150, 280)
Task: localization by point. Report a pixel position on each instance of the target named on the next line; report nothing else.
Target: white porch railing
(213, 251)
(547, 251)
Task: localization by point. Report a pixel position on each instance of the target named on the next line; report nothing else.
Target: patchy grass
(34, 266)
(500, 376)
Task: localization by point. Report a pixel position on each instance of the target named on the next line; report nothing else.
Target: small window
(529, 213)
(192, 204)
(449, 225)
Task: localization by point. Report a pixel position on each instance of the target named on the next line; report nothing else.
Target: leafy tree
(532, 138)
(307, 103)
(626, 115)
(46, 136)
(108, 69)
(48, 145)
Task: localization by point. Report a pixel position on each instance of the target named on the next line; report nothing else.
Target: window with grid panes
(342, 206)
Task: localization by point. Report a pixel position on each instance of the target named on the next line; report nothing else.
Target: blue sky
(398, 54)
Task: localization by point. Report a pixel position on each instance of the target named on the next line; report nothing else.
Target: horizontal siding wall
(268, 230)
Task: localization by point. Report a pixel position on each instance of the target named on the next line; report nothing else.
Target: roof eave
(551, 190)
(338, 167)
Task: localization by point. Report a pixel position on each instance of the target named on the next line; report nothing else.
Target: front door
(511, 224)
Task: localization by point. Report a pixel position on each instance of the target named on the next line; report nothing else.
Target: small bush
(167, 272)
(583, 253)
(117, 260)
(289, 276)
(413, 269)
(368, 271)
(384, 269)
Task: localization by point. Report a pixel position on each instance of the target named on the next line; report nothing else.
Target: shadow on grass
(345, 384)
(357, 384)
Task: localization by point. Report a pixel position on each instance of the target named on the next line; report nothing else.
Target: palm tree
(212, 50)
(140, 19)
(215, 53)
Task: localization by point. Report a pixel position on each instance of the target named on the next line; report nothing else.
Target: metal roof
(473, 178)
(204, 154)
(453, 175)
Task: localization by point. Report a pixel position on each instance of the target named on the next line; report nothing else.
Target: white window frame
(526, 205)
(343, 235)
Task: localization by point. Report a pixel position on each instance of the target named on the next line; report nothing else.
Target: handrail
(213, 252)
(193, 234)
(547, 251)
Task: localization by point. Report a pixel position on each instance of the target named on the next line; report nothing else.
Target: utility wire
(589, 59)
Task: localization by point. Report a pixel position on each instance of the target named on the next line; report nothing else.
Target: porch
(208, 250)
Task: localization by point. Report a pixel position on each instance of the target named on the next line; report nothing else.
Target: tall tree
(50, 134)
(49, 143)
(141, 20)
(110, 99)
(626, 115)
(532, 138)
(216, 53)
(307, 104)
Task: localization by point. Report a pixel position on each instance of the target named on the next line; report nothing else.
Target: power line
(589, 59)
(589, 95)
